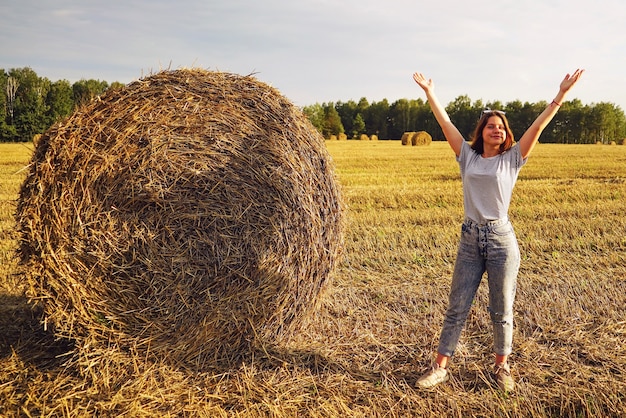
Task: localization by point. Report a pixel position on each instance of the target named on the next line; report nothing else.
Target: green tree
(12, 84)
(116, 85)
(59, 101)
(514, 115)
(620, 123)
(566, 127)
(376, 119)
(347, 112)
(521, 116)
(315, 114)
(358, 126)
(399, 118)
(85, 90)
(7, 129)
(604, 123)
(463, 115)
(332, 121)
(421, 118)
(29, 111)
(358, 123)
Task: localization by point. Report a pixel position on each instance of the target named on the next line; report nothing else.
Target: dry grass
(378, 324)
(192, 215)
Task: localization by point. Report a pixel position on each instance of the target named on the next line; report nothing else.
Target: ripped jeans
(493, 248)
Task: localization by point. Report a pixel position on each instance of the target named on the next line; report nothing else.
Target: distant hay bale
(374, 137)
(342, 137)
(190, 216)
(421, 138)
(406, 138)
(333, 137)
(364, 137)
(613, 143)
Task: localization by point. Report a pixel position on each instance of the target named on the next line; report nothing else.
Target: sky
(322, 51)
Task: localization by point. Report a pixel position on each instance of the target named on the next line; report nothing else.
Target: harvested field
(378, 324)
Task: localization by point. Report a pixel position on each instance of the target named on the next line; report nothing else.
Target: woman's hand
(425, 84)
(531, 136)
(569, 81)
(452, 134)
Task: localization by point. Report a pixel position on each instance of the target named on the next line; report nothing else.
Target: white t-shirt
(488, 182)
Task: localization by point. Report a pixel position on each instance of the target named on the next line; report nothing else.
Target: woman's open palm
(569, 80)
(426, 84)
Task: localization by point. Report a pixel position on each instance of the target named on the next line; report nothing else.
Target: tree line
(30, 104)
(575, 123)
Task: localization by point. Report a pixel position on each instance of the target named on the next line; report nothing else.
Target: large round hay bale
(421, 138)
(406, 138)
(190, 216)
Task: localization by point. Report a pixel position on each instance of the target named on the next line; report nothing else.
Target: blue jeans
(490, 248)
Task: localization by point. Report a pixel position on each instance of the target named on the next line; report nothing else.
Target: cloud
(323, 50)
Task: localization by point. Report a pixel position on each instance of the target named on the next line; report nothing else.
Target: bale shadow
(22, 332)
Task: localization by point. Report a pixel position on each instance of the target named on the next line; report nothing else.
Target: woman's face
(494, 132)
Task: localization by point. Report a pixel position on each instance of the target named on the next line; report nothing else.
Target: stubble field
(380, 319)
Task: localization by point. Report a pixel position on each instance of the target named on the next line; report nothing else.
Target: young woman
(489, 168)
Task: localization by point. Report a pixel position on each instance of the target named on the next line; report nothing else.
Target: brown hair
(477, 138)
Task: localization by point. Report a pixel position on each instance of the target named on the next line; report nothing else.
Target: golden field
(379, 321)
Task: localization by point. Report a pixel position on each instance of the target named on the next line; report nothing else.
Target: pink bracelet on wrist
(556, 103)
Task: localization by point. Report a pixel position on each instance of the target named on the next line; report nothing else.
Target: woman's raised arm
(528, 141)
(452, 134)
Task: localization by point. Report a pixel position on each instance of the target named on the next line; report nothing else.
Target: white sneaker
(435, 375)
(502, 374)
